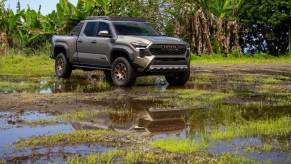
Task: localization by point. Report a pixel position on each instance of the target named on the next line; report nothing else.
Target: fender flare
(62, 46)
(125, 49)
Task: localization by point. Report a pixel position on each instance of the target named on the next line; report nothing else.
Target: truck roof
(116, 18)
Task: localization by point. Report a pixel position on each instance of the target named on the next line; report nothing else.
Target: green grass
(196, 97)
(267, 147)
(107, 157)
(41, 65)
(79, 116)
(228, 158)
(11, 86)
(98, 86)
(131, 156)
(271, 80)
(75, 137)
(265, 80)
(123, 156)
(179, 145)
(28, 66)
(244, 59)
(269, 127)
(143, 157)
(84, 115)
(273, 97)
(263, 148)
(146, 80)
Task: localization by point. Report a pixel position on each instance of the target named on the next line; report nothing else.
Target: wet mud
(215, 97)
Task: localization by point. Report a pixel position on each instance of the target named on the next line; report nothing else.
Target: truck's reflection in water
(128, 113)
(148, 122)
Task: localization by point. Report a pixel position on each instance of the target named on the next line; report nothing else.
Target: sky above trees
(47, 5)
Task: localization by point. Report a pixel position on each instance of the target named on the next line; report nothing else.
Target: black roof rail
(115, 18)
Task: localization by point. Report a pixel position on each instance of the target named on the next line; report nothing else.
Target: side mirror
(103, 33)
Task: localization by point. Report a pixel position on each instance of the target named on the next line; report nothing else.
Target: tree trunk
(289, 33)
(3, 40)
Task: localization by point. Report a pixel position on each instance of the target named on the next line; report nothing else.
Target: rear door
(88, 47)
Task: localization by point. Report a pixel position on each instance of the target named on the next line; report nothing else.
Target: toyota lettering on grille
(170, 47)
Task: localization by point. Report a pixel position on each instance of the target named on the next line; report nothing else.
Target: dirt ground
(263, 69)
(74, 101)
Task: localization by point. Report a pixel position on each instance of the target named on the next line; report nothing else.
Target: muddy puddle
(213, 102)
(241, 145)
(13, 130)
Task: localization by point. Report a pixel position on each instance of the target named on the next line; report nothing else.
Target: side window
(77, 29)
(91, 29)
(103, 27)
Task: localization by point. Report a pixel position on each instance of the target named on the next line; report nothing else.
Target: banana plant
(9, 23)
(222, 8)
(35, 28)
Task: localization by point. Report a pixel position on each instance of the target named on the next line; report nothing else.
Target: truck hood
(163, 39)
(153, 39)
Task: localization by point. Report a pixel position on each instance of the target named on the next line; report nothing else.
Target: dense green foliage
(29, 28)
(222, 8)
(266, 12)
(266, 22)
(210, 26)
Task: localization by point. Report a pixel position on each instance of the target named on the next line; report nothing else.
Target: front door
(89, 47)
(104, 43)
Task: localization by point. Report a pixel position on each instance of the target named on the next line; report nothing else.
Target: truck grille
(168, 49)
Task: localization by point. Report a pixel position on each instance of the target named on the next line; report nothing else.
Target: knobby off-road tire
(63, 68)
(178, 79)
(123, 73)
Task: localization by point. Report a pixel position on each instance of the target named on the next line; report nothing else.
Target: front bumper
(154, 64)
(167, 68)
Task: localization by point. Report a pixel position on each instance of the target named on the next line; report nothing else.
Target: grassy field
(42, 66)
(30, 66)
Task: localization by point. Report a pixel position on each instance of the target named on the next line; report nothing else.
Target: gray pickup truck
(124, 48)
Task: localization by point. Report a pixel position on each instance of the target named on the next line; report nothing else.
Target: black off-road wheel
(123, 73)
(178, 79)
(63, 68)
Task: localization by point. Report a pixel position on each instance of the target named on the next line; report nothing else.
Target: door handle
(94, 41)
(80, 41)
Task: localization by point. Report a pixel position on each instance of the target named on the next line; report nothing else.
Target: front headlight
(139, 44)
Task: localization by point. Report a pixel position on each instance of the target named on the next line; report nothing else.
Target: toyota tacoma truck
(124, 48)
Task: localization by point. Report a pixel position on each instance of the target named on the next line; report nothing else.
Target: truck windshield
(134, 28)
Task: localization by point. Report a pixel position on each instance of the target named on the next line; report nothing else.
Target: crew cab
(124, 48)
